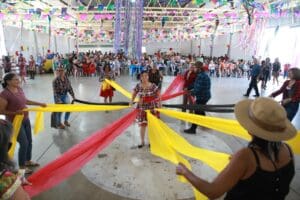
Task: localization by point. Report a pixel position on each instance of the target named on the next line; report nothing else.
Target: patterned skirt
(142, 115)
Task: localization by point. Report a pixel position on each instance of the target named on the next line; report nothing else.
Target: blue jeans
(65, 100)
(291, 109)
(25, 141)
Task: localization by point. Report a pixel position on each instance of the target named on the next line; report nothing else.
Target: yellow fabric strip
(39, 123)
(228, 126)
(17, 122)
(120, 89)
(75, 108)
(39, 120)
(167, 144)
(105, 86)
(161, 146)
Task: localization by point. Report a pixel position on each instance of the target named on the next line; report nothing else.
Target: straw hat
(264, 118)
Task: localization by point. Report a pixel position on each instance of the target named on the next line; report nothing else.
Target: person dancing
(107, 91)
(149, 99)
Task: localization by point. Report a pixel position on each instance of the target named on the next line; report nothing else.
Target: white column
(3, 50)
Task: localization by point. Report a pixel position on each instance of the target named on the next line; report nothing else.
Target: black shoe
(245, 95)
(190, 131)
(256, 95)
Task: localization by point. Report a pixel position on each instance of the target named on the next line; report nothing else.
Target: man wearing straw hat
(264, 169)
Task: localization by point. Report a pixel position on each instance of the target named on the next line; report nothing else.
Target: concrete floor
(120, 172)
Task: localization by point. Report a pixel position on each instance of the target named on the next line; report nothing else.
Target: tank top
(264, 185)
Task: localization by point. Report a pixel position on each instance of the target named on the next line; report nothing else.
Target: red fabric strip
(175, 86)
(167, 97)
(72, 160)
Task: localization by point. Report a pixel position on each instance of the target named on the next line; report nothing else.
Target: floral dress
(148, 101)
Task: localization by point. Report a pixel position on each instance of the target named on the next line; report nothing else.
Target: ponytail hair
(8, 77)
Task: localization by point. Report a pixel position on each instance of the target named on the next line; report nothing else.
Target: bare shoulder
(242, 155)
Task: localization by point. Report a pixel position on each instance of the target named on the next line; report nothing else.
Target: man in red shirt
(189, 79)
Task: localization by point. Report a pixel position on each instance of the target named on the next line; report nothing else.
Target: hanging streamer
(76, 157)
(167, 144)
(228, 126)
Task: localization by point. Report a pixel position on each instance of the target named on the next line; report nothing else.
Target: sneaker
(256, 95)
(67, 124)
(190, 131)
(245, 95)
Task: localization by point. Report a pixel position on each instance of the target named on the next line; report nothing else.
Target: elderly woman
(149, 98)
(264, 169)
(12, 102)
(291, 93)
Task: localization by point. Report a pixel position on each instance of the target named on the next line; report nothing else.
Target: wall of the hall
(279, 42)
(14, 39)
(192, 47)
